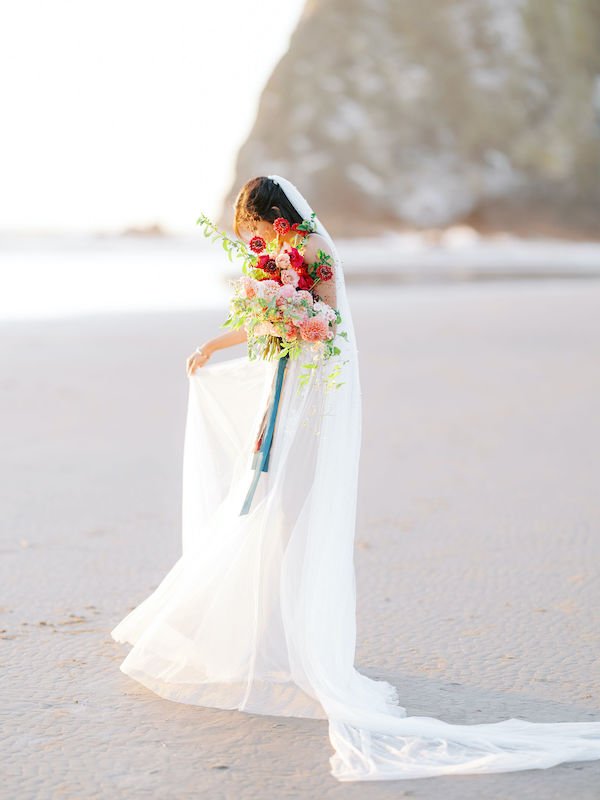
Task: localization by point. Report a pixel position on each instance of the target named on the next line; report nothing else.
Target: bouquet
(275, 299)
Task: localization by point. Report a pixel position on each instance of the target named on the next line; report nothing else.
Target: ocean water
(67, 276)
(59, 276)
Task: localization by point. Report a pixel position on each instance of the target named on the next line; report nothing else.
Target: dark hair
(262, 199)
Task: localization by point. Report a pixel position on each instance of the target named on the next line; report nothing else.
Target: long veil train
(259, 612)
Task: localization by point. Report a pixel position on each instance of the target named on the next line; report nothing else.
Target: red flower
(305, 281)
(257, 244)
(296, 259)
(281, 225)
(324, 272)
(267, 263)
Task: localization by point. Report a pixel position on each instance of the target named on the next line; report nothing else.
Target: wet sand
(477, 546)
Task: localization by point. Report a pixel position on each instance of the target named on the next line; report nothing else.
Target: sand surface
(477, 547)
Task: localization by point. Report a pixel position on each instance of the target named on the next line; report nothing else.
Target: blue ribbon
(260, 462)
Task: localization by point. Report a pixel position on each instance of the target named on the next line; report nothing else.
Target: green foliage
(259, 274)
(309, 225)
(322, 258)
(233, 247)
(331, 379)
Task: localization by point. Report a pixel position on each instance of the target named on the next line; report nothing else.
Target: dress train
(258, 613)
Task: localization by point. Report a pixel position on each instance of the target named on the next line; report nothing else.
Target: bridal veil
(259, 612)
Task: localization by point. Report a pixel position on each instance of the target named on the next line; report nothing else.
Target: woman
(258, 614)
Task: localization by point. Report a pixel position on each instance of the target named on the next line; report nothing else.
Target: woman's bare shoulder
(313, 243)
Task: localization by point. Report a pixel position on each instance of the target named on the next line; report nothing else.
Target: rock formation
(404, 114)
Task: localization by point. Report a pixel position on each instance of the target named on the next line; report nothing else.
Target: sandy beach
(477, 544)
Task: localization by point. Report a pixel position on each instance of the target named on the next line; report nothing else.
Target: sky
(128, 113)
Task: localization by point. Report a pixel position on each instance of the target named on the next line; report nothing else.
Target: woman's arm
(211, 345)
(228, 339)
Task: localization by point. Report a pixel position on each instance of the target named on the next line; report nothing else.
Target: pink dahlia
(269, 288)
(287, 290)
(302, 294)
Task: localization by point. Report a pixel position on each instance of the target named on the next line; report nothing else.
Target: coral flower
(315, 329)
(290, 332)
(281, 225)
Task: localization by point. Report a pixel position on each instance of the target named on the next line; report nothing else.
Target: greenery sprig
(233, 247)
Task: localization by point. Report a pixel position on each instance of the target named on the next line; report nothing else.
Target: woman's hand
(201, 355)
(198, 359)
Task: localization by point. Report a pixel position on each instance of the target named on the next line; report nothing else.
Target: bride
(258, 614)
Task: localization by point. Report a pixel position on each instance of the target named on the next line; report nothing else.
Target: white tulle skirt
(258, 613)
(213, 633)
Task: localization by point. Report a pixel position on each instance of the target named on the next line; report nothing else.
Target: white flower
(325, 309)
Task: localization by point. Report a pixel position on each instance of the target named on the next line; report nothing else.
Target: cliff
(425, 113)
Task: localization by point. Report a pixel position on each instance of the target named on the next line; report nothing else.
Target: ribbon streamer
(260, 461)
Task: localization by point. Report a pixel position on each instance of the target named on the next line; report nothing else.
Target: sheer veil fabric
(259, 612)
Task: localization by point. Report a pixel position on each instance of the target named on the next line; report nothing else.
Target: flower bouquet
(275, 298)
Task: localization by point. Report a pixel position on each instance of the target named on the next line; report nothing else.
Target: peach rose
(283, 261)
(290, 277)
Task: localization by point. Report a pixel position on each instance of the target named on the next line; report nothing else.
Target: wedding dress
(258, 613)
